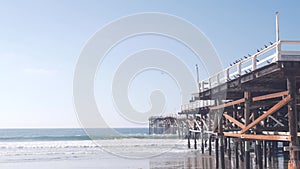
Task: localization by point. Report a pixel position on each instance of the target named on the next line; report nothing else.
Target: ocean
(73, 148)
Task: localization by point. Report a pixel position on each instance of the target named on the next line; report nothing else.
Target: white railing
(196, 104)
(273, 53)
(262, 58)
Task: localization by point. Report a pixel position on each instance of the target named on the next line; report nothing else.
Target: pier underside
(255, 109)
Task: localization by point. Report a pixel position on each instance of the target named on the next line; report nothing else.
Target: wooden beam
(270, 96)
(278, 133)
(258, 136)
(228, 104)
(204, 124)
(269, 112)
(195, 121)
(233, 120)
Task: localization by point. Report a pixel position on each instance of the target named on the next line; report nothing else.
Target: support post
(225, 145)
(222, 153)
(259, 155)
(195, 140)
(247, 156)
(221, 135)
(242, 151)
(189, 142)
(269, 152)
(265, 153)
(286, 155)
(229, 148)
(236, 154)
(293, 126)
(209, 145)
(202, 135)
(248, 98)
(217, 151)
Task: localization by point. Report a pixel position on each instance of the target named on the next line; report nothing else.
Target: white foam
(56, 150)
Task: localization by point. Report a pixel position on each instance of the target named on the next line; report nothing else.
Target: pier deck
(254, 101)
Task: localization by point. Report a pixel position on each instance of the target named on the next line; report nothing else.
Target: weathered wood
(222, 154)
(247, 158)
(242, 151)
(221, 137)
(236, 148)
(229, 148)
(269, 112)
(269, 152)
(270, 96)
(265, 153)
(228, 104)
(234, 121)
(258, 136)
(248, 98)
(259, 155)
(195, 141)
(209, 145)
(294, 162)
(217, 151)
(189, 141)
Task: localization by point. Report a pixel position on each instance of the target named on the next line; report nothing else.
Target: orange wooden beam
(270, 96)
(228, 104)
(269, 112)
(257, 98)
(233, 120)
(258, 136)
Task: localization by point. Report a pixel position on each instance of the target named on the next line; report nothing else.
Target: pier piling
(217, 152)
(236, 154)
(209, 145)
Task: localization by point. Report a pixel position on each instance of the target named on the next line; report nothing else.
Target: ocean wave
(84, 137)
(59, 150)
(43, 138)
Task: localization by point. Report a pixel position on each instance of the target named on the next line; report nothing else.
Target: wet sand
(189, 160)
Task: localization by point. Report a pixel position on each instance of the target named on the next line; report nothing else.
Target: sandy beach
(183, 160)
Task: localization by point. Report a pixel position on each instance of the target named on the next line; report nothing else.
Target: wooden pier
(250, 107)
(168, 124)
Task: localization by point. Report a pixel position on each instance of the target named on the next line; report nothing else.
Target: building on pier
(169, 124)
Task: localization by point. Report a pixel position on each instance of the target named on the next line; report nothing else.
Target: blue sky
(40, 42)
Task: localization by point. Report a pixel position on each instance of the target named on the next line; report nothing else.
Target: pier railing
(282, 50)
(196, 104)
(266, 56)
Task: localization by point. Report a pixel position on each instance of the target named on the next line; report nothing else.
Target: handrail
(249, 64)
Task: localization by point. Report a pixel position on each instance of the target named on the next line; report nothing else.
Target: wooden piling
(202, 147)
(209, 145)
(242, 151)
(189, 141)
(202, 135)
(265, 153)
(259, 155)
(292, 115)
(217, 152)
(221, 136)
(222, 154)
(229, 148)
(195, 141)
(225, 145)
(237, 154)
(248, 98)
(269, 152)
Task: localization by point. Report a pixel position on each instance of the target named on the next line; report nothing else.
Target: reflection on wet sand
(196, 160)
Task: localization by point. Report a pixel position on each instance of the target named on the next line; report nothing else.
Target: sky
(41, 41)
